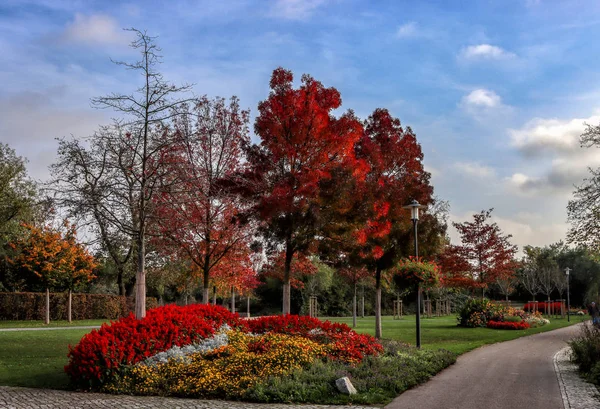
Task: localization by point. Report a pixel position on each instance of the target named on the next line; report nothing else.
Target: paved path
(518, 374)
(25, 398)
(48, 328)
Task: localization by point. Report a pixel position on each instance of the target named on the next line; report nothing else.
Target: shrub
(542, 306)
(507, 325)
(32, 306)
(101, 354)
(344, 343)
(477, 312)
(586, 352)
(378, 379)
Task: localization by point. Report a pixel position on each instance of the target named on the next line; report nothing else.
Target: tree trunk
(47, 318)
(233, 300)
(120, 282)
(140, 279)
(286, 279)
(378, 304)
(248, 307)
(354, 308)
(205, 296)
(362, 303)
(215, 295)
(69, 304)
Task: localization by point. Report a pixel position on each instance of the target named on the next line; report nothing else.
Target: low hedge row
(32, 306)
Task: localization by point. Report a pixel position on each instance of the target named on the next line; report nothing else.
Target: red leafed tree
(456, 270)
(197, 216)
(301, 142)
(300, 267)
(354, 275)
(396, 176)
(486, 249)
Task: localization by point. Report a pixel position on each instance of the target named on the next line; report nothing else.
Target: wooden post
(47, 320)
(313, 306)
(69, 304)
(398, 309)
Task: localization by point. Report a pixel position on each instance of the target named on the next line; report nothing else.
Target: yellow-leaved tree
(55, 258)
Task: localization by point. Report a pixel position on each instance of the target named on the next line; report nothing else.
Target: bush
(378, 379)
(477, 312)
(542, 305)
(101, 355)
(586, 352)
(32, 306)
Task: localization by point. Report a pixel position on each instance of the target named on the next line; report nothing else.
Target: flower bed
(101, 354)
(343, 343)
(507, 325)
(480, 313)
(204, 350)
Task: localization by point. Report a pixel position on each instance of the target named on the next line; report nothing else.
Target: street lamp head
(567, 271)
(414, 207)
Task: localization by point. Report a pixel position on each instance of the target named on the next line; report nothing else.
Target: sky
(497, 91)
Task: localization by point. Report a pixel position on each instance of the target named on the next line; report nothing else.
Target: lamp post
(414, 215)
(567, 271)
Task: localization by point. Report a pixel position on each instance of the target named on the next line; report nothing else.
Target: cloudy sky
(497, 91)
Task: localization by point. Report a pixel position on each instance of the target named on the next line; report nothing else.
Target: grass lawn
(40, 324)
(36, 358)
(442, 332)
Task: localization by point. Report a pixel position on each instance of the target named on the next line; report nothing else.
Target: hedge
(32, 306)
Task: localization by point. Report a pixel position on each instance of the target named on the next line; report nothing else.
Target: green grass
(40, 324)
(36, 358)
(442, 332)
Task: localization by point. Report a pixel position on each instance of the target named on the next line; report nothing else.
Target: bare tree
(528, 274)
(125, 159)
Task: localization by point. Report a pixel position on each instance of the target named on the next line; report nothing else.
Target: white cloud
(551, 135)
(95, 29)
(409, 29)
(295, 9)
(482, 98)
(485, 52)
(475, 169)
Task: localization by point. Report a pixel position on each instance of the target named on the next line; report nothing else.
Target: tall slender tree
(301, 142)
(125, 160)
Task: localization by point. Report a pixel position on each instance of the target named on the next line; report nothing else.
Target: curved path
(517, 374)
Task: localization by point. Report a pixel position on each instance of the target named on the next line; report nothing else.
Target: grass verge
(36, 358)
(40, 324)
(442, 332)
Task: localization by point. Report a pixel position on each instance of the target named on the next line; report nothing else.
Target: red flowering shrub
(507, 325)
(542, 305)
(100, 354)
(344, 343)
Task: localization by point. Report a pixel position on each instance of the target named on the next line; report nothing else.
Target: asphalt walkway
(517, 374)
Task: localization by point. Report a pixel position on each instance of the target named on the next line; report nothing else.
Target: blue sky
(497, 91)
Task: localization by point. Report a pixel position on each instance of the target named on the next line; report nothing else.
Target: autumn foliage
(53, 256)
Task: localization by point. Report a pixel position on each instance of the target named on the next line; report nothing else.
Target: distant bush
(32, 306)
(586, 352)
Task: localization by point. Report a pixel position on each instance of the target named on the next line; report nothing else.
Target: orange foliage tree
(54, 258)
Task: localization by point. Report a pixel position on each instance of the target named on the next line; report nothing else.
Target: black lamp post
(414, 215)
(567, 271)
